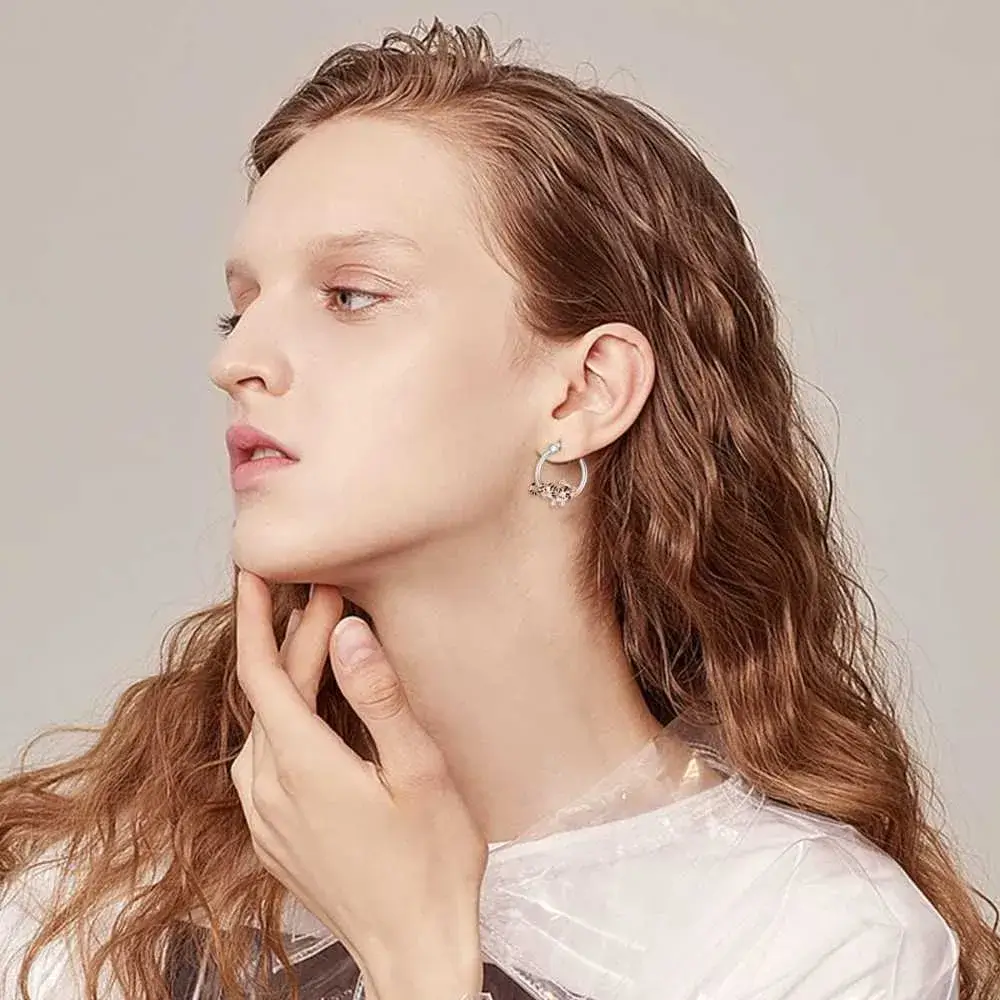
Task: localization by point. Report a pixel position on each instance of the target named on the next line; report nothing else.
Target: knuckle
(423, 780)
(266, 795)
(382, 697)
(236, 770)
(288, 780)
(426, 772)
(261, 846)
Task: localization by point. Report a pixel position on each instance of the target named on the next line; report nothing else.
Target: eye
(226, 322)
(336, 293)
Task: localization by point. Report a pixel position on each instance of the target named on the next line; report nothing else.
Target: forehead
(361, 174)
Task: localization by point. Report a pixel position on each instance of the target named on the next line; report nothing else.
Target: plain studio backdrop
(860, 141)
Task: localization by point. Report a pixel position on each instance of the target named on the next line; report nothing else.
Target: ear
(610, 372)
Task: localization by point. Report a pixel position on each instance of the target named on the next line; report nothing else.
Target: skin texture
(417, 437)
(330, 825)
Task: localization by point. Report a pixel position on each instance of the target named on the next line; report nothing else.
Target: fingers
(293, 620)
(286, 729)
(408, 753)
(255, 752)
(256, 650)
(305, 650)
(279, 709)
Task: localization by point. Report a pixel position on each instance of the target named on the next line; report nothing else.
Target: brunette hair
(711, 530)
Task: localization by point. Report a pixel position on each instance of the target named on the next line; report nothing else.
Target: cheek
(427, 457)
(431, 398)
(440, 432)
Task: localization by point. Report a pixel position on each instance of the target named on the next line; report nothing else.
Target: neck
(528, 692)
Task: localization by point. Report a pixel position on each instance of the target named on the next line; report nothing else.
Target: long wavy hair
(711, 533)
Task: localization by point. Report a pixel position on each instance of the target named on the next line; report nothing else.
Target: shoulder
(26, 899)
(829, 914)
(724, 895)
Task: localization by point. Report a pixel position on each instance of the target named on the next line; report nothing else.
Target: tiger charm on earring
(558, 494)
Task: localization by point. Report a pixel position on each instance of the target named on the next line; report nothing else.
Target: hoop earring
(558, 494)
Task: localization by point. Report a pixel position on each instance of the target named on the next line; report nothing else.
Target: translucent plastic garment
(671, 879)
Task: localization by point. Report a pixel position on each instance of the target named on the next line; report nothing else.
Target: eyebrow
(330, 242)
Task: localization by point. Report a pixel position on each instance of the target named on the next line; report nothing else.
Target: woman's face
(384, 362)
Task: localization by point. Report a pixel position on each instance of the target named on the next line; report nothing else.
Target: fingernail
(353, 640)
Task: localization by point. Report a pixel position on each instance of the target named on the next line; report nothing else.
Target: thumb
(375, 692)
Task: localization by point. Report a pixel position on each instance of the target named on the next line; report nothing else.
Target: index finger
(277, 702)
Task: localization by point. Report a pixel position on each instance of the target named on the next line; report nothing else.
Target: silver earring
(558, 494)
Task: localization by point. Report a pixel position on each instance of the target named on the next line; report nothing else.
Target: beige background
(859, 139)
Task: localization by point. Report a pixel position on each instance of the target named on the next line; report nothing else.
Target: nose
(240, 361)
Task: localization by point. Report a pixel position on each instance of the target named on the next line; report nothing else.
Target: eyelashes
(225, 323)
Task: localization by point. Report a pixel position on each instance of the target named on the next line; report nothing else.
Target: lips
(243, 439)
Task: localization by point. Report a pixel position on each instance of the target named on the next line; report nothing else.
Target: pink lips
(242, 440)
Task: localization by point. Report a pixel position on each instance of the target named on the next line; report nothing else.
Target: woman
(652, 689)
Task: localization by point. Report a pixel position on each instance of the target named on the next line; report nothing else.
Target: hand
(389, 858)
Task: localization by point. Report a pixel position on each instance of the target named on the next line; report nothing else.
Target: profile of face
(375, 340)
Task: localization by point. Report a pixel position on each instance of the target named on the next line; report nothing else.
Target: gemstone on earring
(558, 494)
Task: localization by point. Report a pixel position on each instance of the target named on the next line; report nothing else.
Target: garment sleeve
(878, 962)
(817, 925)
(54, 974)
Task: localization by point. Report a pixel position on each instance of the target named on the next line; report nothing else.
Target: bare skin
(417, 439)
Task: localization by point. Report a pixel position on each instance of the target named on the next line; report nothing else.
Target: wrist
(457, 976)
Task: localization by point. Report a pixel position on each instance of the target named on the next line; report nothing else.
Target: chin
(287, 551)
(272, 554)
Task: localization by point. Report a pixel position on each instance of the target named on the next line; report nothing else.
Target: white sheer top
(658, 884)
